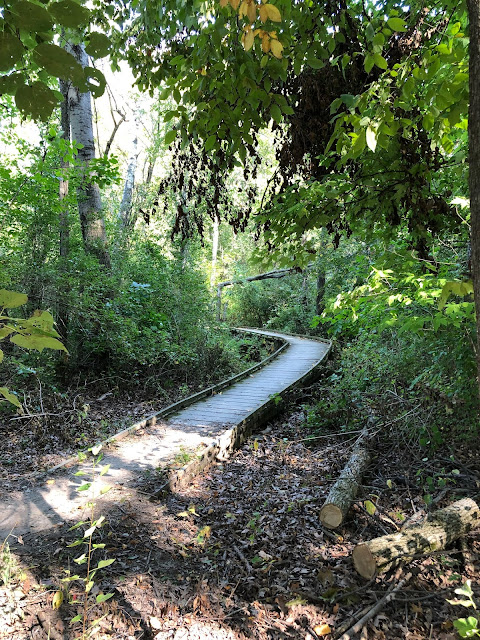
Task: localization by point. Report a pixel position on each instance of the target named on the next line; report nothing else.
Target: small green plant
(90, 597)
(277, 398)
(36, 332)
(254, 526)
(8, 566)
(466, 627)
(183, 456)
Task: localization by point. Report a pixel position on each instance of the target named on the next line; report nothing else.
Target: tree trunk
(437, 532)
(125, 212)
(63, 222)
(88, 193)
(474, 158)
(343, 492)
(320, 296)
(63, 188)
(215, 235)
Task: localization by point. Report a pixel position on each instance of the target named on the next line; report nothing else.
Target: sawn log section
(208, 425)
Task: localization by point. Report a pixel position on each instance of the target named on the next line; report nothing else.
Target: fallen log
(343, 492)
(436, 532)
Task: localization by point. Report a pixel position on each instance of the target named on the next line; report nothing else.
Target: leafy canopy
(32, 36)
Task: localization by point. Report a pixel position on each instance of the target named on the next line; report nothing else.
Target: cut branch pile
(436, 532)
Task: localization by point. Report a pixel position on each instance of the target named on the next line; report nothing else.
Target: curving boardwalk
(196, 427)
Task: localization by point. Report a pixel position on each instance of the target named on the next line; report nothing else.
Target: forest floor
(241, 553)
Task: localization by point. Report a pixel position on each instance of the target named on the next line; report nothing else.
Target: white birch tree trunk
(215, 235)
(125, 212)
(88, 193)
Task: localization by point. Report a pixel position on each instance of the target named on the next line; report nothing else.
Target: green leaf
(42, 320)
(31, 17)
(103, 597)
(69, 13)
(428, 121)
(81, 559)
(380, 61)
(99, 45)
(12, 299)
(1, 355)
(397, 24)
(37, 342)
(170, 136)
(9, 84)
(368, 62)
(169, 115)
(105, 563)
(371, 139)
(36, 101)
(370, 507)
(370, 31)
(466, 627)
(95, 81)
(335, 105)
(10, 397)
(11, 51)
(315, 63)
(276, 113)
(465, 589)
(57, 600)
(456, 288)
(84, 487)
(6, 331)
(379, 40)
(210, 142)
(76, 618)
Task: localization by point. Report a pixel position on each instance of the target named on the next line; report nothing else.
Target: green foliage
(89, 627)
(404, 347)
(276, 304)
(31, 60)
(466, 627)
(36, 332)
(9, 568)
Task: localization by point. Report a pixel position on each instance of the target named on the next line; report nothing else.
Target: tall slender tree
(474, 157)
(89, 199)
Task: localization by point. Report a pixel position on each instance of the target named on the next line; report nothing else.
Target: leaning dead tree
(276, 273)
(436, 532)
(345, 489)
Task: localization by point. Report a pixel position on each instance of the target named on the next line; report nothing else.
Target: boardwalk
(55, 499)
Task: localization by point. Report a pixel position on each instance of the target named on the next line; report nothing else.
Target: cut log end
(331, 516)
(436, 532)
(364, 561)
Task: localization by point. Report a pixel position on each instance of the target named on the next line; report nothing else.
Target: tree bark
(63, 221)
(474, 158)
(437, 532)
(343, 492)
(215, 235)
(63, 187)
(320, 295)
(125, 212)
(88, 193)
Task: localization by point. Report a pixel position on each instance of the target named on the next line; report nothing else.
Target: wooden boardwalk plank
(209, 422)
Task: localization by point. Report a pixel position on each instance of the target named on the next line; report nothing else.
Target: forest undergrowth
(241, 553)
